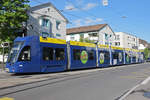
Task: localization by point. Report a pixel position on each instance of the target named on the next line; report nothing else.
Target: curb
(2, 71)
(144, 82)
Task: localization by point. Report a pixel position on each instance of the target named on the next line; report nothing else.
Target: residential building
(126, 40)
(143, 44)
(46, 19)
(101, 33)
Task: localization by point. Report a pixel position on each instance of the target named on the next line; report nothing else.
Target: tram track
(51, 80)
(55, 76)
(54, 81)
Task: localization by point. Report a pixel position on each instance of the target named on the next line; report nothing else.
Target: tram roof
(103, 46)
(117, 48)
(52, 40)
(82, 44)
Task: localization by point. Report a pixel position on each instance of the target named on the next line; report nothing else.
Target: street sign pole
(3, 57)
(4, 45)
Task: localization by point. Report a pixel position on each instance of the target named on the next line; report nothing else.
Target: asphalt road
(107, 84)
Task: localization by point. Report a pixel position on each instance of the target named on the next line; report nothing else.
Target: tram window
(76, 54)
(107, 56)
(25, 54)
(60, 54)
(115, 55)
(91, 55)
(134, 57)
(47, 53)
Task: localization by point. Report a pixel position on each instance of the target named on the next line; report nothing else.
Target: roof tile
(85, 29)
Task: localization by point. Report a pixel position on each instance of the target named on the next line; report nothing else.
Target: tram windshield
(14, 52)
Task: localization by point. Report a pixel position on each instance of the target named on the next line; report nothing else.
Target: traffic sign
(5, 44)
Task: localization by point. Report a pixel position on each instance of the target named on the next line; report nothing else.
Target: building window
(60, 54)
(48, 9)
(58, 35)
(57, 25)
(117, 43)
(93, 34)
(45, 22)
(117, 37)
(47, 53)
(71, 38)
(45, 34)
(106, 36)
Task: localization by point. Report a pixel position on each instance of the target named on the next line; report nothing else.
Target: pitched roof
(85, 29)
(46, 5)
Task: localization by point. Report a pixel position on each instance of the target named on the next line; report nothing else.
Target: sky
(131, 16)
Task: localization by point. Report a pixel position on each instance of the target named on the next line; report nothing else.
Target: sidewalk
(140, 93)
(1, 68)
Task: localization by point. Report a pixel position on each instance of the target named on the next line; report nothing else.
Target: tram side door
(53, 59)
(25, 60)
(60, 57)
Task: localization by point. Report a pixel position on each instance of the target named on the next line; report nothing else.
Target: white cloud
(70, 7)
(77, 22)
(99, 19)
(89, 6)
(80, 5)
(86, 21)
(92, 21)
(79, 2)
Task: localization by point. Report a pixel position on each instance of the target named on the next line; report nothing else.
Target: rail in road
(34, 78)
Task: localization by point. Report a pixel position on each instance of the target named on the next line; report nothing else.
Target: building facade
(46, 19)
(143, 44)
(101, 33)
(126, 40)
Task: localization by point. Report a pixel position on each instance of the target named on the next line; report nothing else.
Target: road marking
(6, 98)
(131, 90)
(145, 81)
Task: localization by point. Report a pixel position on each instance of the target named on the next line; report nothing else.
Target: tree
(147, 53)
(12, 15)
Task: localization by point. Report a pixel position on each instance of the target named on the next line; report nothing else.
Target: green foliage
(147, 53)
(12, 15)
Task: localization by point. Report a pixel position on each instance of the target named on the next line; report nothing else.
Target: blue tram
(117, 55)
(104, 56)
(82, 55)
(34, 54)
(128, 56)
